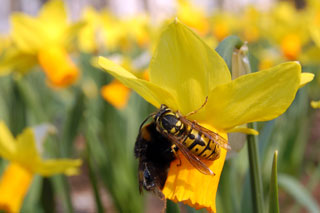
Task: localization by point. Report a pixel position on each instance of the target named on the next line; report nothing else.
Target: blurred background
(49, 74)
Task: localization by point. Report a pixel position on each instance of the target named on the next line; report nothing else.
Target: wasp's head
(167, 121)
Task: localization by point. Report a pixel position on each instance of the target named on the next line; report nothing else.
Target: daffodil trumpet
(184, 70)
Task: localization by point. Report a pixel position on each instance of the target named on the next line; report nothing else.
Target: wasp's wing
(216, 138)
(194, 160)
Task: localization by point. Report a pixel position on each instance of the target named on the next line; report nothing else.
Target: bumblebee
(155, 155)
(158, 142)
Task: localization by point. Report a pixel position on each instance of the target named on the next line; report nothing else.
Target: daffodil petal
(259, 96)
(315, 34)
(244, 130)
(52, 167)
(186, 184)
(306, 78)
(16, 60)
(183, 63)
(27, 33)
(149, 91)
(193, 16)
(7, 142)
(53, 18)
(53, 11)
(26, 150)
(315, 104)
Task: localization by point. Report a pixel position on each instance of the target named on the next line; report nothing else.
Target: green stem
(17, 109)
(255, 172)
(93, 179)
(63, 191)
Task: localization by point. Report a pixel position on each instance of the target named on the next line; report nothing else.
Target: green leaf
(72, 124)
(93, 177)
(273, 196)
(62, 191)
(298, 192)
(17, 108)
(226, 48)
(172, 207)
(31, 202)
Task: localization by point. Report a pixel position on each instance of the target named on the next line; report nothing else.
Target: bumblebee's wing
(194, 160)
(216, 138)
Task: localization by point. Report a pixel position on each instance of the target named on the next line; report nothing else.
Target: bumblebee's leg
(164, 206)
(173, 150)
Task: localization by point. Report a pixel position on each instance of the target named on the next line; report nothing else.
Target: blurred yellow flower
(282, 31)
(25, 161)
(193, 16)
(89, 34)
(315, 104)
(250, 24)
(183, 72)
(291, 46)
(57, 65)
(223, 24)
(116, 94)
(45, 40)
(104, 31)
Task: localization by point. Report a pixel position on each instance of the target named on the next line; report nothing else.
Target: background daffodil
(25, 162)
(193, 16)
(183, 72)
(43, 40)
(315, 104)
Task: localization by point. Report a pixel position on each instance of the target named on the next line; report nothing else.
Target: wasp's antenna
(145, 120)
(197, 110)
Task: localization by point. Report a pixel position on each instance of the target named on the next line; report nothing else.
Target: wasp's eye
(169, 122)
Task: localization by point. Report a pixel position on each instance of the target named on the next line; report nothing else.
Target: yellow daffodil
(89, 34)
(104, 31)
(250, 24)
(25, 162)
(116, 94)
(183, 72)
(313, 12)
(45, 40)
(223, 24)
(101, 31)
(315, 104)
(193, 16)
(281, 30)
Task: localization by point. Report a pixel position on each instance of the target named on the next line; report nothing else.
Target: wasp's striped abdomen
(200, 145)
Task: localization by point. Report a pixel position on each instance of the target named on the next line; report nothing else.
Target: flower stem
(255, 172)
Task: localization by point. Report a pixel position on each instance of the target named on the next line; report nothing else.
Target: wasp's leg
(174, 149)
(197, 110)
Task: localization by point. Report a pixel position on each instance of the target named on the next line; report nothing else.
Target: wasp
(158, 142)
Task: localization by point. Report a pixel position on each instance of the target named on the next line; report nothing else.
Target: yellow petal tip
(306, 78)
(315, 104)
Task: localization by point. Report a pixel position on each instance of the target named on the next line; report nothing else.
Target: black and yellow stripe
(201, 146)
